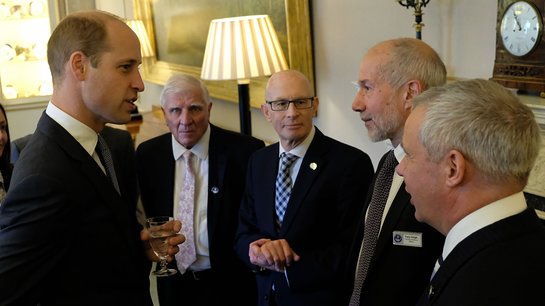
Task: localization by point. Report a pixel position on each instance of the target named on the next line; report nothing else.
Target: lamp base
(244, 108)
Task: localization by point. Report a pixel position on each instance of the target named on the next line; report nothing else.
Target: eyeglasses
(282, 105)
(357, 85)
(361, 87)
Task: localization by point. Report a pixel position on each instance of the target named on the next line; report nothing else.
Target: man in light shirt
(219, 161)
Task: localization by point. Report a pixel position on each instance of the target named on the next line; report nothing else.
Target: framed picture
(178, 30)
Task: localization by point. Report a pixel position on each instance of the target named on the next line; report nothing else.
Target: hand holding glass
(160, 230)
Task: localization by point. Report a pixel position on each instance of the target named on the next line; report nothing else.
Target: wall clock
(520, 45)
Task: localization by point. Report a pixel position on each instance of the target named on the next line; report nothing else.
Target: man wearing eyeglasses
(303, 196)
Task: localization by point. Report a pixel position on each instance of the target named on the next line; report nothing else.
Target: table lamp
(240, 48)
(147, 51)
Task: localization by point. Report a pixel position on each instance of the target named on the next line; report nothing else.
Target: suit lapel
(89, 168)
(401, 200)
(311, 167)
(264, 181)
(217, 164)
(163, 165)
(463, 252)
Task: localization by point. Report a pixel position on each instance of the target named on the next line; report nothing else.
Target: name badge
(411, 239)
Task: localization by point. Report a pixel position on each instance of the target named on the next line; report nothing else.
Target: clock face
(521, 28)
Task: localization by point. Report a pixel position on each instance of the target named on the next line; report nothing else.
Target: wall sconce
(138, 27)
(240, 48)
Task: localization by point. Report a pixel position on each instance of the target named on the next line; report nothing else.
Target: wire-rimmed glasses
(284, 104)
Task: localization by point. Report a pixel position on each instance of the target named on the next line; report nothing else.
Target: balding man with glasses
(303, 196)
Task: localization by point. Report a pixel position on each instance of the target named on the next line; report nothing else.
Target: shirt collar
(85, 135)
(399, 153)
(200, 148)
(482, 217)
(302, 148)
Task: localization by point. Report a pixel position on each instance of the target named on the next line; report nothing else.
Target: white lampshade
(138, 27)
(242, 48)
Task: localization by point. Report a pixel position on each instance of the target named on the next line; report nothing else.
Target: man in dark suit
(220, 168)
(62, 212)
(390, 75)
(299, 250)
(472, 145)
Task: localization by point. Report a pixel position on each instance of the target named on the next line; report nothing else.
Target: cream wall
(462, 31)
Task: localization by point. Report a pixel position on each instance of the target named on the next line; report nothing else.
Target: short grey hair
(178, 83)
(485, 122)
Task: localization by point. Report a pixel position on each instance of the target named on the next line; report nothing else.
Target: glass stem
(163, 264)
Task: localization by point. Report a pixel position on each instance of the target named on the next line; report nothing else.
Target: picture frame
(299, 47)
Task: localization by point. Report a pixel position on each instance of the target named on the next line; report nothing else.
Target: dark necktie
(106, 158)
(283, 187)
(372, 224)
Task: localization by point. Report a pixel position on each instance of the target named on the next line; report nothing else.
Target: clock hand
(517, 22)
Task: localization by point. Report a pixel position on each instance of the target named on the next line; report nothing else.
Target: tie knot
(187, 156)
(287, 159)
(390, 162)
(101, 143)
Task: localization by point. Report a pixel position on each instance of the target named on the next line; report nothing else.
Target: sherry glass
(160, 229)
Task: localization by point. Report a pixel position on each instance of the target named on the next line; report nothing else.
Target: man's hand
(273, 255)
(173, 241)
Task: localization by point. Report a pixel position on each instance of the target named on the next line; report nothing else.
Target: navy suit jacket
(66, 236)
(319, 222)
(228, 159)
(500, 264)
(397, 274)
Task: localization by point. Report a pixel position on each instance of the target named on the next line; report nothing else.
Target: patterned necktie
(283, 187)
(106, 158)
(187, 254)
(372, 224)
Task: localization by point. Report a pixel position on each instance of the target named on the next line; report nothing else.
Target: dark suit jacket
(66, 236)
(397, 274)
(319, 223)
(228, 158)
(501, 264)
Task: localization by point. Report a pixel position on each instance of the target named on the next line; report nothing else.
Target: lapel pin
(313, 166)
(431, 292)
(215, 190)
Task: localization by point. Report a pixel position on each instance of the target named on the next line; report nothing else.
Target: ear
(78, 64)
(266, 110)
(315, 105)
(456, 168)
(414, 88)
